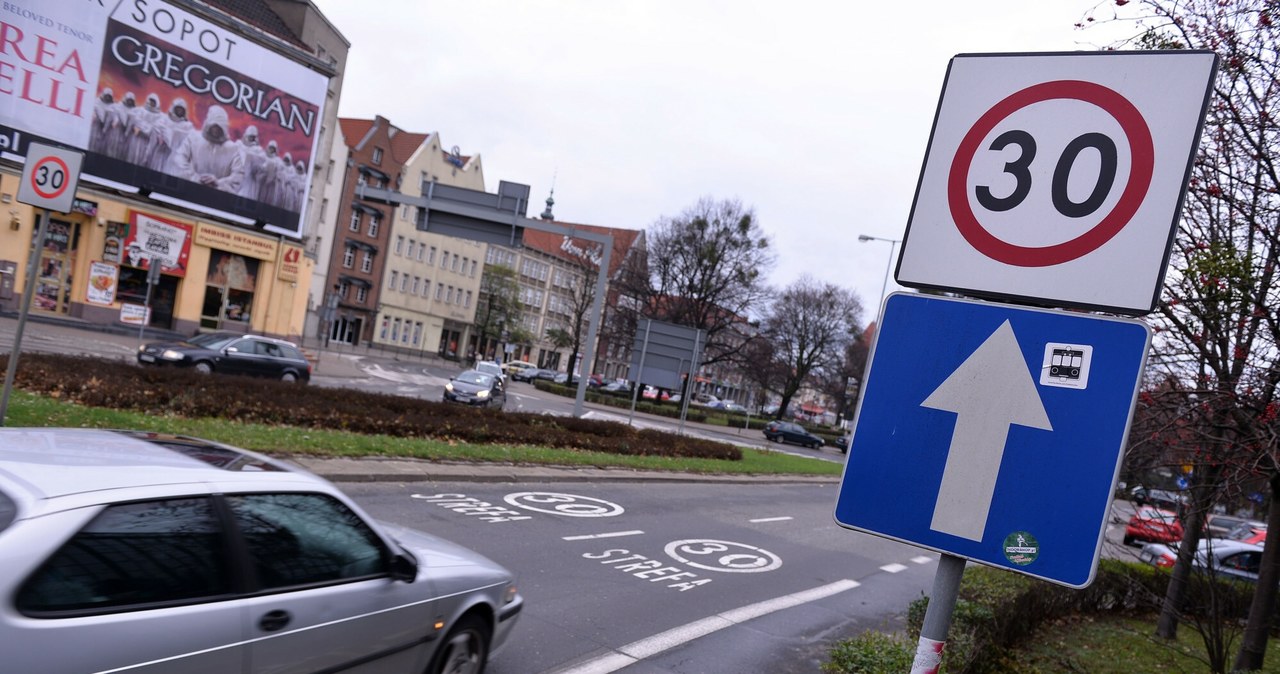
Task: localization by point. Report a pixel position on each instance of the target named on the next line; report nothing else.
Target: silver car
(140, 552)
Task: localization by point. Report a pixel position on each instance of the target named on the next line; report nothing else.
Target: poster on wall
(135, 314)
(167, 102)
(103, 279)
(153, 238)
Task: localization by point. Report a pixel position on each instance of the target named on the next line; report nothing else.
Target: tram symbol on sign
(1066, 365)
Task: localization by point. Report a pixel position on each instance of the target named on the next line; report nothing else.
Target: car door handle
(274, 620)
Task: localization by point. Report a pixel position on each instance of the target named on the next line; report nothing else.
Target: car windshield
(491, 368)
(473, 377)
(213, 340)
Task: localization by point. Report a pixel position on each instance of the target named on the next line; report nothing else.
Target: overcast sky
(814, 114)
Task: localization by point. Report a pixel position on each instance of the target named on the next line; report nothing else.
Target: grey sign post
(663, 354)
(49, 180)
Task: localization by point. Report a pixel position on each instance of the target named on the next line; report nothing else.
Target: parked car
(544, 373)
(231, 353)
(1152, 524)
(1223, 526)
(492, 368)
(785, 431)
(842, 443)
(136, 550)
(727, 406)
(1248, 532)
(1161, 498)
(475, 388)
(519, 370)
(1231, 559)
(616, 387)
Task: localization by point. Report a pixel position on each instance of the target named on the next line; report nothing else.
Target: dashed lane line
(611, 534)
(770, 519)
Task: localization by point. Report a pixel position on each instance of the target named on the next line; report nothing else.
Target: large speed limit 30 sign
(1057, 179)
(50, 177)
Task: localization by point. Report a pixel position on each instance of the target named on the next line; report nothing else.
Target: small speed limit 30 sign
(1057, 178)
(49, 177)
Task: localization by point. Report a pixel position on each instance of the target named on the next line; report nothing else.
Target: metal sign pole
(937, 617)
(28, 292)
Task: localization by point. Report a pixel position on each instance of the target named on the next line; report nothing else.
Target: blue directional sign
(993, 432)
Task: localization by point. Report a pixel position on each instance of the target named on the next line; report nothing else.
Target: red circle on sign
(56, 192)
(1141, 148)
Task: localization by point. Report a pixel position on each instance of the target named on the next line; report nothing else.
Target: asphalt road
(669, 578)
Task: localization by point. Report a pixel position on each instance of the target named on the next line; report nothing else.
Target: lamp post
(892, 242)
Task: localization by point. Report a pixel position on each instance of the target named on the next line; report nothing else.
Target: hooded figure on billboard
(175, 127)
(284, 182)
(255, 164)
(297, 186)
(269, 190)
(117, 141)
(144, 131)
(210, 158)
(106, 122)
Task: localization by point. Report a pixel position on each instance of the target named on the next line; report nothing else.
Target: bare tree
(1216, 321)
(498, 307)
(809, 326)
(706, 270)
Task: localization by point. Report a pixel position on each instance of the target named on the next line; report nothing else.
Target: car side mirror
(232, 349)
(404, 568)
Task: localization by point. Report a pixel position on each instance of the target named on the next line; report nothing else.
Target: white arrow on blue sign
(993, 432)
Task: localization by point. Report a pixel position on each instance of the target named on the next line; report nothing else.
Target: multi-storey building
(191, 207)
(376, 154)
(431, 282)
(557, 275)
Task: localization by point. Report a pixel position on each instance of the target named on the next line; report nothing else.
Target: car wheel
(203, 367)
(464, 650)
(289, 377)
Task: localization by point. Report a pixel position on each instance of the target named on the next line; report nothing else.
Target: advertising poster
(164, 101)
(103, 278)
(135, 314)
(155, 239)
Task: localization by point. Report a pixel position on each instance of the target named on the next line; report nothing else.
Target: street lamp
(892, 242)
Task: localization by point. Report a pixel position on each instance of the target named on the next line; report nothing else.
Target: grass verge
(26, 409)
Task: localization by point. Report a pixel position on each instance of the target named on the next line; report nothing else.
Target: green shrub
(96, 382)
(871, 653)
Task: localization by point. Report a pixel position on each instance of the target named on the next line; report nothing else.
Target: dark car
(231, 353)
(543, 373)
(475, 388)
(785, 431)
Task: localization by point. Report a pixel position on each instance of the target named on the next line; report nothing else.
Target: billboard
(163, 101)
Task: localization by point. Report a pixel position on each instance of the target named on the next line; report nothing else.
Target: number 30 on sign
(50, 177)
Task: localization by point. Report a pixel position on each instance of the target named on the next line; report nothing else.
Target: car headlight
(510, 595)
(482, 394)
(449, 387)
(170, 354)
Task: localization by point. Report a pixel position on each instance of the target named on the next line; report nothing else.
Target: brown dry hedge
(96, 382)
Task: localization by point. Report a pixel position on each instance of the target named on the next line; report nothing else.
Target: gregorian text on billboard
(164, 101)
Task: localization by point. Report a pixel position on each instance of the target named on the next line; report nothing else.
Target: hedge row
(96, 382)
(997, 610)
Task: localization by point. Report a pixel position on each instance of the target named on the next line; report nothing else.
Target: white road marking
(611, 534)
(922, 559)
(638, 650)
(771, 519)
(893, 568)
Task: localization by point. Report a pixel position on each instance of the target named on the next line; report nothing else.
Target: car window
(134, 555)
(8, 511)
(212, 340)
(302, 539)
(291, 351)
(1249, 561)
(267, 349)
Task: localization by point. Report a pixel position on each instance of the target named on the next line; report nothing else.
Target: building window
(404, 283)
(383, 332)
(472, 274)
(395, 278)
(377, 155)
(362, 293)
(454, 266)
(399, 245)
(366, 262)
(421, 250)
(448, 295)
(373, 224)
(439, 291)
(413, 245)
(395, 330)
(468, 302)
(328, 174)
(417, 283)
(355, 220)
(349, 257)
(444, 260)
(342, 289)
(417, 332)
(431, 259)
